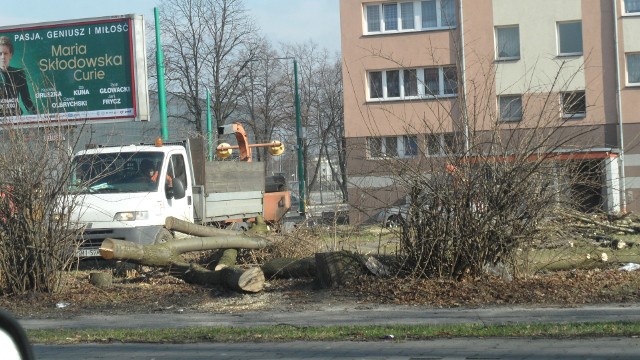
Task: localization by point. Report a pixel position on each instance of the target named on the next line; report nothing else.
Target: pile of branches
(598, 227)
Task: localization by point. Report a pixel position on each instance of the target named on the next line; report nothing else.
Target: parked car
(392, 216)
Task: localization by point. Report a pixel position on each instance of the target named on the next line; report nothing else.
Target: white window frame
(441, 143)
(629, 82)
(421, 94)
(400, 150)
(417, 18)
(405, 153)
(509, 119)
(558, 36)
(576, 115)
(497, 42)
(628, 12)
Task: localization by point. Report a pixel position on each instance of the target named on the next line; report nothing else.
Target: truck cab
(127, 192)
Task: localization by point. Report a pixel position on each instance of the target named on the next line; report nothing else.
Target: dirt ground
(156, 292)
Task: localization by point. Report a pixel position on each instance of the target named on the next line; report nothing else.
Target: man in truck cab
(151, 172)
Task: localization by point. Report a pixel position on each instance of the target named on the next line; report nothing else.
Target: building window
(440, 81)
(375, 147)
(373, 18)
(413, 83)
(448, 13)
(410, 145)
(410, 82)
(390, 12)
(406, 15)
(633, 68)
(510, 107)
(574, 104)
(440, 144)
(631, 6)
(392, 146)
(381, 147)
(430, 14)
(375, 85)
(570, 38)
(393, 83)
(450, 77)
(508, 42)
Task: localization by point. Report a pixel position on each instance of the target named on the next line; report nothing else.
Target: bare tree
(331, 122)
(207, 45)
(265, 98)
(320, 91)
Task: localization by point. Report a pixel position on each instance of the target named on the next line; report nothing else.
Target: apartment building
(414, 70)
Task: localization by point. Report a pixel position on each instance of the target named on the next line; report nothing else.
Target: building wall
(362, 53)
(540, 75)
(629, 41)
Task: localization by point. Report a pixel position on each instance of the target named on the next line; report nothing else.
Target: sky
(289, 21)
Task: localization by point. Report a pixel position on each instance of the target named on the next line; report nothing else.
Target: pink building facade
(412, 68)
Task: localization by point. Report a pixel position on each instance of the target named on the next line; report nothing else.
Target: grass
(332, 333)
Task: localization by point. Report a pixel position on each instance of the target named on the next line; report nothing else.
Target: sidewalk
(348, 315)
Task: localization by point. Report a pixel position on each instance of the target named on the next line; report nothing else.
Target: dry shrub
(37, 240)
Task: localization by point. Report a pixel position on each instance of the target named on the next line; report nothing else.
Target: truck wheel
(163, 236)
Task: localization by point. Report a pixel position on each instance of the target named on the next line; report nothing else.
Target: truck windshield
(123, 172)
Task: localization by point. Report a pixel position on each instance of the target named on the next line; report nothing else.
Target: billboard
(89, 70)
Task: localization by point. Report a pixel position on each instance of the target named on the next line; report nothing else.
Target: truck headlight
(131, 216)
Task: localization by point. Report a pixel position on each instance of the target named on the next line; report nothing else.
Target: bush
(37, 240)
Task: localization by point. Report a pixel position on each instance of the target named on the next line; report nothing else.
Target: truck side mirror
(177, 191)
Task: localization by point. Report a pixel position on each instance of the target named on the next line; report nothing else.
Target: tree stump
(285, 268)
(101, 279)
(337, 268)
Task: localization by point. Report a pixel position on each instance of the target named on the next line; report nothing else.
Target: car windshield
(116, 172)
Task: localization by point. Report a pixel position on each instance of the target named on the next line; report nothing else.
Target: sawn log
(168, 254)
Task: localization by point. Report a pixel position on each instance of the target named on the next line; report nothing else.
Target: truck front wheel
(163, 236)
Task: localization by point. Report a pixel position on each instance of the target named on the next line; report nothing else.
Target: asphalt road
(539, 349)
(472, 348)
(348, 315)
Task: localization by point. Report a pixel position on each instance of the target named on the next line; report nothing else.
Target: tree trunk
(168, 254)
(165, 253)
(188, 228)
(289, 268)
(228, 258)
(251, 280)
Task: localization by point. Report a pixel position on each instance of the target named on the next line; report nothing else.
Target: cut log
(163, 254)
(168, 254)
(286, 268)
(188, 228)
(251, 280)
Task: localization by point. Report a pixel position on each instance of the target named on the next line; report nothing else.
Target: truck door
(181, 208)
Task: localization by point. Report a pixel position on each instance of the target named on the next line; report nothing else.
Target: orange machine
(277, 200)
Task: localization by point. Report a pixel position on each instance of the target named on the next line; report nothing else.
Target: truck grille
(94, 238)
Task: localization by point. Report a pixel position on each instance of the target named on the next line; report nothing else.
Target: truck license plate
(88, 253)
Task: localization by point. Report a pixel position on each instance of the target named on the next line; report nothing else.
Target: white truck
(116, 198)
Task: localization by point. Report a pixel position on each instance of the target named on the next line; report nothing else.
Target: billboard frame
(134, 69)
